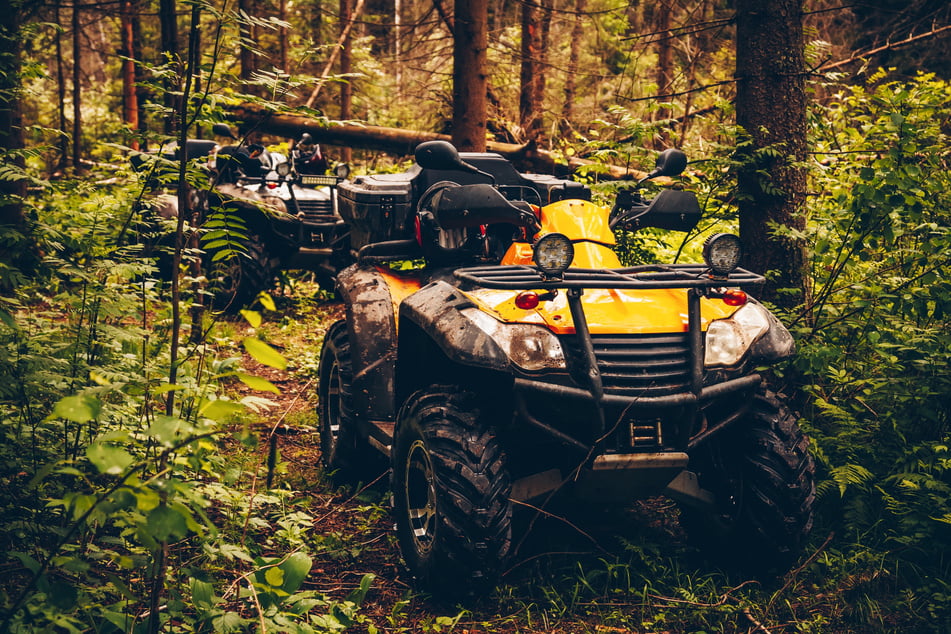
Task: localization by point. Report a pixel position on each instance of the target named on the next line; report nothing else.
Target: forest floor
(589, 570)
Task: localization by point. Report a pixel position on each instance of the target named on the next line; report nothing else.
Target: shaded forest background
(128, 501)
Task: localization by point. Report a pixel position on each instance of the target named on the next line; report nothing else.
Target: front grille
(636, 365)
(316, 210)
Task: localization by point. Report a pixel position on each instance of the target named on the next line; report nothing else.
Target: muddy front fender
(434, 311)
(371, 325)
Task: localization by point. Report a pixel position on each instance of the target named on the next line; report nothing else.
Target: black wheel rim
(420, 497)
(332, 424)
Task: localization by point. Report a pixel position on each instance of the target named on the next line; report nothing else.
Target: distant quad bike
(260, 215)
(264, 216)
(522, 360)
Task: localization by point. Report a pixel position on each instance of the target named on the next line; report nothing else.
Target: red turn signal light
(527, 300)
(734, 297)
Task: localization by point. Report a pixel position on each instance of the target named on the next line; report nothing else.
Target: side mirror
(439, 155)
(670, 162)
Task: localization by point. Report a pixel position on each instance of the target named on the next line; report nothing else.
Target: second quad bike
(522, 360)
(264, 215)
(256, 214)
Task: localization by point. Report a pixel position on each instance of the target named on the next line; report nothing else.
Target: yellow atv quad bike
(523, 360)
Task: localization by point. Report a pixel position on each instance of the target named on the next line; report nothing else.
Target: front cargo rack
(647, 276)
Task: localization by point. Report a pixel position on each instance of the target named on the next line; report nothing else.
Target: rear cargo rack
(635, 277)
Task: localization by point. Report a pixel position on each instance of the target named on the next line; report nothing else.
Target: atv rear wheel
(764, 480)
(450, 493)
(237, 274)
(342, 452)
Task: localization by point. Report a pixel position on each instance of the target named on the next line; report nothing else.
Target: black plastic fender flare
(434, 309)
(371, 326)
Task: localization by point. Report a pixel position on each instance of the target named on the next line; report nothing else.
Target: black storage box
(376, 206)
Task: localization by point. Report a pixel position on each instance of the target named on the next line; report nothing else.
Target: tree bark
(402, 142)
(574, 53)
(771, 109)
(168, 21)
(77, 88)
(665, 61)
(469, 80)
(130, 100)
(528, 106)
(346, 88)
(246, 52)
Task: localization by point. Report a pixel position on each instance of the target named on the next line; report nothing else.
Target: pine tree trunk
(574, 53)
(168, 22)
(771, 108)
(130, 98)
(77, 89)
(469, 81)
(346, 88)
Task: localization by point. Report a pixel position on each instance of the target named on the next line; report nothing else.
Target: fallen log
(400, 142)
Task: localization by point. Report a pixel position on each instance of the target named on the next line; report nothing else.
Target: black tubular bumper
(707, 393)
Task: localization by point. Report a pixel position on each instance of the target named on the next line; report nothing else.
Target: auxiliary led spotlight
(553, 254)
(722, 252)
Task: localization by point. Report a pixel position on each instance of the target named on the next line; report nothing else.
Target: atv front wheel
(763, 478)
(450, 493)
(342, 452)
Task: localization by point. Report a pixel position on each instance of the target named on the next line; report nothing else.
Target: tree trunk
(665, 61)
(168, 21)
(77, 89)
(574, 52)
(61, 94)
(469, 81)
(130, 98)
(346, 57)
(403, 142)
(771, 109)
(246, 52)
(18, 251)
(528, 106)
(11, 122)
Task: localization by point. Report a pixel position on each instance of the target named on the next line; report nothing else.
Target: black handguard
(480, 204)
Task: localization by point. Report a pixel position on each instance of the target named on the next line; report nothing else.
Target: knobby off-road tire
(451, 493)
(764, 480)
(344, 454)
(236, 279)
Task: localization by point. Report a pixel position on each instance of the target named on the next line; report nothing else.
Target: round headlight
(722, 252)
(283, 169)
(553, 254)
(342, 171)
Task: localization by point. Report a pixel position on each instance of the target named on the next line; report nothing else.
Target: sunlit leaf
(264, 354)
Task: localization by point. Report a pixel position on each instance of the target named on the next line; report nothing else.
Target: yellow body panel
(583, 222)
(606, 310)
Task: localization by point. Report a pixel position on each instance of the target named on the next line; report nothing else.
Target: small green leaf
(264, 354)
(267, 301)
(296, 568)
(203, 594)
(165, 523)
(274, 576)
(109, 458)
(257, 383)
(253, 317)
(79, 408)
(219, 409)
